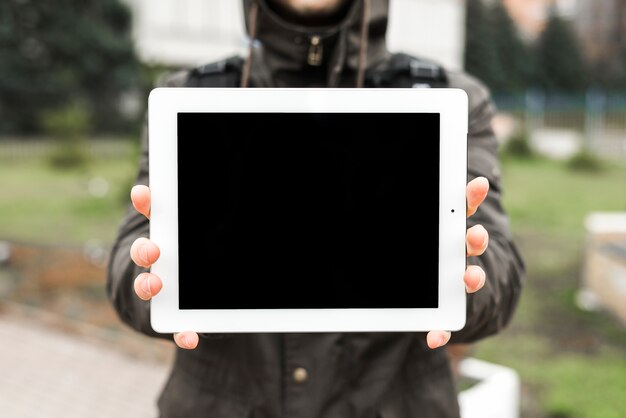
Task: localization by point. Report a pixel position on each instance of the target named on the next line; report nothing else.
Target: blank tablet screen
(308, 210)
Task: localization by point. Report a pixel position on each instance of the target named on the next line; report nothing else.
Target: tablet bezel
(452, 104)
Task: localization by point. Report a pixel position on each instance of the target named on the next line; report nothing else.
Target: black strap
(224, 73)
(404, 70)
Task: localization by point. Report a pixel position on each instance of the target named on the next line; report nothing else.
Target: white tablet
(308, 210)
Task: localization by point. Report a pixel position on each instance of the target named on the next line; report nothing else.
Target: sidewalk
(45, 373)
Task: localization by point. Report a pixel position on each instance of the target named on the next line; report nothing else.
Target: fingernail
(145, 285)
(442, 341)
(183, 339)
(143, 253)
(483, 278)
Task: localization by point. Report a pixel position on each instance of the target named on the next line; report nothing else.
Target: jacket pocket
(183, 398)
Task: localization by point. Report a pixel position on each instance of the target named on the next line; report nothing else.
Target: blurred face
(311, 11)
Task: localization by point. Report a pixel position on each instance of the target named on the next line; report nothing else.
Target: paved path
(45, 373)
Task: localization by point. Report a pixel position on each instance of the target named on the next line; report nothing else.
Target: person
(327, 43)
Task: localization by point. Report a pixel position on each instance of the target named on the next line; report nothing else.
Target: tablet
(308, 210)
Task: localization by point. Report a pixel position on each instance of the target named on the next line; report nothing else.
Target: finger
(147, 285)
(476, 240)
(140, 196)
(144, 252)
(436, 339)
(474, 278)
(476, 192)
(186, 339)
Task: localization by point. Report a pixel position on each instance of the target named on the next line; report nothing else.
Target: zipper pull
(316, 51)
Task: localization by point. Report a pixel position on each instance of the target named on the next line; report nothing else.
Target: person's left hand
(476, 241)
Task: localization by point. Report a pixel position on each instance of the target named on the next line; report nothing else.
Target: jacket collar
(283, 54)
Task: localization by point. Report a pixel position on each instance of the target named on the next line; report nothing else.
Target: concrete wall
(429, 28)
(186, 32)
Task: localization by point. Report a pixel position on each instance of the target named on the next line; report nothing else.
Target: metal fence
(597, 117)
(15, 149)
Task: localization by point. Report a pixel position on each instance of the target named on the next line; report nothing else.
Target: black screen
(302, 210)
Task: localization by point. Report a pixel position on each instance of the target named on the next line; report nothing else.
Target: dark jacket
(347, 374)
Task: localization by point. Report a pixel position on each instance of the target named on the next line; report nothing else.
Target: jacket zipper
(316, 50)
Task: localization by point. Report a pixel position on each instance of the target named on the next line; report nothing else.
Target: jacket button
(300, 375)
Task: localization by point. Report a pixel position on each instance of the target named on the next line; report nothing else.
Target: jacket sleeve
(490, 309)
(122, 271)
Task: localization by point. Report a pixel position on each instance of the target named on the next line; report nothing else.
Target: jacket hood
(286, 54)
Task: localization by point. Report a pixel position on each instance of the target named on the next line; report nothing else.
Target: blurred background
(74, 80)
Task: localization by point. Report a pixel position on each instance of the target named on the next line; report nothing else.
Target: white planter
(496, 393)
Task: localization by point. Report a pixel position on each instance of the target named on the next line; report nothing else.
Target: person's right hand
(145, 253)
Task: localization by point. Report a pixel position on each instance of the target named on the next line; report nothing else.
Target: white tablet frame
(452, 104)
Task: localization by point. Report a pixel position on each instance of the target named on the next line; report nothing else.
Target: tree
(494, 51)
(560, 63)
(513, 59)
(479, 55)
(55, 53)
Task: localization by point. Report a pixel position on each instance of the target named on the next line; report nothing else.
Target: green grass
(563, 383)
(572, 363)
(545, 197)
(54, 206)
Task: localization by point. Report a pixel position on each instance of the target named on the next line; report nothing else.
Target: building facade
(601, 28)
(185, 33)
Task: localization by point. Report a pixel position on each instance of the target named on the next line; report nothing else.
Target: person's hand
(145, 253)
(476, 241)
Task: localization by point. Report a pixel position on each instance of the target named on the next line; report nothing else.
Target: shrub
(585, 160)
(518, 145)
(68, 127)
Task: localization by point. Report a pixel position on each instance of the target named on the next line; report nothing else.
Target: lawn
(70, 206)
(572, 363)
